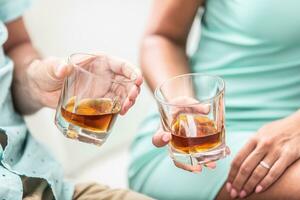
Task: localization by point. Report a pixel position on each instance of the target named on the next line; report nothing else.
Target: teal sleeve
(12, 9)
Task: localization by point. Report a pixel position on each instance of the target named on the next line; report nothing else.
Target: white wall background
(62, 27)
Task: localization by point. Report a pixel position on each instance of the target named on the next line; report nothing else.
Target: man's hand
(46, 77)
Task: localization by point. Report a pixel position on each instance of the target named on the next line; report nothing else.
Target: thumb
(61, 69)
(54, 68)
(49, 73)
(161, 138)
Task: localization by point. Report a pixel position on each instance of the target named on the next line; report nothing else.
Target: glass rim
(162, 101)
(95, 75)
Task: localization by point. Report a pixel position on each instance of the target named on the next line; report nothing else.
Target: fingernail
(206, 108)
(129, 104)
(166, 138)
(233, 193)
(243, 194)
(59, 68)
(258, 189)
(228, 186)
(198, 169)
(212, 165)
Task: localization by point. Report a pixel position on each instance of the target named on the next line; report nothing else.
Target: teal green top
(255, 46)
(23, 155)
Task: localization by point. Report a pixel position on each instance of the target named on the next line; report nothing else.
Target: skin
(167, 47)
(162, 137)
(37, 82)
(276, 143)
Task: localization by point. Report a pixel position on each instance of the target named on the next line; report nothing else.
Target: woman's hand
(162, 138)
(265, 157)
(46, 77)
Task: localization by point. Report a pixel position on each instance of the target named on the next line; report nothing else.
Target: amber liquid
(195, 133)
(96, 115)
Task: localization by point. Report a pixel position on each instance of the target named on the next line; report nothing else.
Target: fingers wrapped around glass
(93, 95)
(192, 109)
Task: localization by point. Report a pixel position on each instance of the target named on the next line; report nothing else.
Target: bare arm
(20, 49)
(37, 82)
(163, 47)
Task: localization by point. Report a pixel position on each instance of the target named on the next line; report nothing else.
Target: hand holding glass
(192, 110)
(92, 97)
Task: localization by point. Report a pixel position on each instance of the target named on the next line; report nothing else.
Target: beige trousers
(37, 189)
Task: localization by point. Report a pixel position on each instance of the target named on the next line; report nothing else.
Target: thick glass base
(194, 159)
(78, 133)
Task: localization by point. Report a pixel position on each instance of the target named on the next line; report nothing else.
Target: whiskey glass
(192, 109)
(92, 97)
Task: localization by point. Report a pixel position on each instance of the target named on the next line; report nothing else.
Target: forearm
(162, 59)
(23, 93)
(20, 49)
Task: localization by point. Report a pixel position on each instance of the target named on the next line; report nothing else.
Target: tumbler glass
(92, 97)
(192, 109)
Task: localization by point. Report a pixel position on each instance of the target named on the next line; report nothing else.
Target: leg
(287, 187)
(36, 189)
(94, 191)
